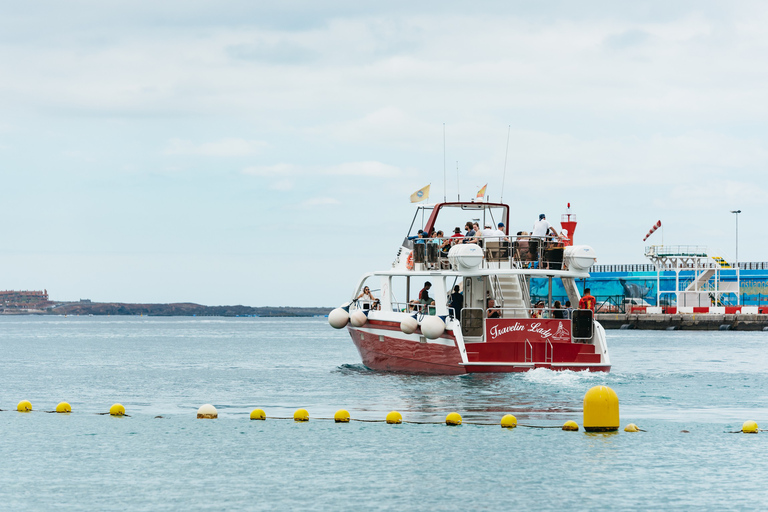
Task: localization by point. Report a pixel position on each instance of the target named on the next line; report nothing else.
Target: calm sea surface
(707, 383)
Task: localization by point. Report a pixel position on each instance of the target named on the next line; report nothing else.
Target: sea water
(688, 390)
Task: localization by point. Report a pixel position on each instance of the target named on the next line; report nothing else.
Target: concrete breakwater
(684, 322)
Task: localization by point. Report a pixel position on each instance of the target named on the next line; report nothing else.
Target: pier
(684, 321)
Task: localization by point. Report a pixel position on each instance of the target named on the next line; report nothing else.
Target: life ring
(409, 261)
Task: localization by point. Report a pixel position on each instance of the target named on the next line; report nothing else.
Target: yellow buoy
(117, 410)
(750, 427)
(601, 410)
(341, 416)
(63, 407)
(301, 415)
(207, 412)
(258, 414)
(571, 426)
(453, 418)
(394, 418)
(508, 421)
(631, 428)
(24, 406)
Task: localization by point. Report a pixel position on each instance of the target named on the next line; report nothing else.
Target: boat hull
(383, 347)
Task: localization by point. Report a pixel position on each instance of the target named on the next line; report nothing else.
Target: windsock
(654, 228)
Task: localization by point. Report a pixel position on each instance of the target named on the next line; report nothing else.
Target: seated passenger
(557, 310)
(493, 312)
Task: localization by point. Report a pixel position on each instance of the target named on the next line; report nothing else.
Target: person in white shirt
(499, 233)
(542, 227)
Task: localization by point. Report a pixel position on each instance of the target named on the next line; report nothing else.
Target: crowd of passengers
(455, 300)
(528, 243)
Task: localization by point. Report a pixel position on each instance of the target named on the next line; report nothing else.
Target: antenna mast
(458, 190)
(444, 175)
(504, 176)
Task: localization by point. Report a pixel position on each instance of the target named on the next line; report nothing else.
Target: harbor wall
(684, 322)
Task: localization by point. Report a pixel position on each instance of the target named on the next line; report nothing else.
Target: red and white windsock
(654, 228)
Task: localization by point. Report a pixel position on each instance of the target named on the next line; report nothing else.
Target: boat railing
(519, 251)
(416, 307)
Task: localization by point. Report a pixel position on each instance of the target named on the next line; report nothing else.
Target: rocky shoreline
(175, 309)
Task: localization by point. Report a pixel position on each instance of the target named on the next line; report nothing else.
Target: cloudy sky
(263, 153)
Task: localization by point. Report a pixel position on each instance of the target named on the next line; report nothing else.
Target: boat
(494, 326)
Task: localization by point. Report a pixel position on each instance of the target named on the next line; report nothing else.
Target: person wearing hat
(542, 227)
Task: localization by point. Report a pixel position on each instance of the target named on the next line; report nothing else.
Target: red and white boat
(497, 329)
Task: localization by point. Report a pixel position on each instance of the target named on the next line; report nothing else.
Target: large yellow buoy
(301, 415)
(207, 412)
(24, 406)
(394, 418)
(453, 418)
(63, 407)
(750, 427)
(508, 421)
(601, 410)
(571, 426)
(341, 416)
(258, 414)
(117, 410)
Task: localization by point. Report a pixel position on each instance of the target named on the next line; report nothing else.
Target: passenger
(366, 298)
(424, 297)
(499, 233)
(493, 312)
(417, 235)
(457, 234)
(469, 237)
(587, 300)
(538, 310)
(366, 295)
(445, 244)
(488, 231)
(557, 310)
(541, 230)
(542, 227)
(457, 302)
(568, 309)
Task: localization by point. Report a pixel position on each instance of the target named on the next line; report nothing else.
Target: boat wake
(353, 369)
(565, 378)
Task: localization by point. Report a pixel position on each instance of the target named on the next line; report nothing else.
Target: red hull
(382, 346)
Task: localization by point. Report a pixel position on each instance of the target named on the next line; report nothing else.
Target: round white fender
(432, 327)
(409, 325)
(338, 318)
(358, 318)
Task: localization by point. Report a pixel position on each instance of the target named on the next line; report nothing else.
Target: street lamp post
(738, 281)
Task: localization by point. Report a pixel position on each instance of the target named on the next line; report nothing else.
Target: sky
(263, 153)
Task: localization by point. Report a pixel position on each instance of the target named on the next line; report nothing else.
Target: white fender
(358, 318)
(409, 325)
(338, 318)
(432, 327)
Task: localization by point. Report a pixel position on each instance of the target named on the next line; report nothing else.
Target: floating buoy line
(600, 414)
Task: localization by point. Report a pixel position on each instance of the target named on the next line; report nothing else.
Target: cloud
(223, 147)
(281, 52)
(362, 169)
(319, 202)
(282, 185)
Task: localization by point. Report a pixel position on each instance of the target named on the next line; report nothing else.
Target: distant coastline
(84, 308)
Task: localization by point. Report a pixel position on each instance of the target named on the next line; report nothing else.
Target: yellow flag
(420, 195)
(481, 192)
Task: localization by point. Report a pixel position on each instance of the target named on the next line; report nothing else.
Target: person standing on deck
(587, 301)
(457, 302)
